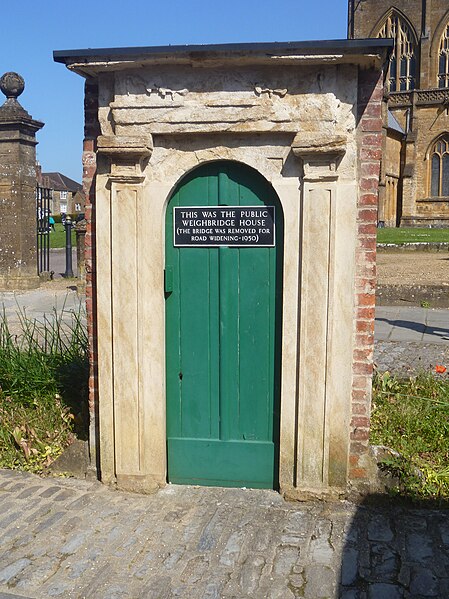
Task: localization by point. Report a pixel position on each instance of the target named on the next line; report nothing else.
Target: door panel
(223, 359)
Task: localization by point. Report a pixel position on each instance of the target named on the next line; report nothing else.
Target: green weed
(412, 417)
(43, 389)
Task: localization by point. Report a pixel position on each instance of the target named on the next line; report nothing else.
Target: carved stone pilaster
(320, 155)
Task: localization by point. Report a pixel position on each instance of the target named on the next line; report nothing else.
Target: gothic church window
(402, 71)
(443, 60)
(439, 167)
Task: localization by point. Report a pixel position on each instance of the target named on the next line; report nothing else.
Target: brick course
(91, 131)
(369, 138)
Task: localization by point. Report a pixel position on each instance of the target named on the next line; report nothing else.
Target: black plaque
(228, 226)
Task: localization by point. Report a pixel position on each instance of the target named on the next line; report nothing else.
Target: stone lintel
(320, 155)
(125, 178)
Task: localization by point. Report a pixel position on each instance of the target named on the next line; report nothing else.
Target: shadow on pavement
(395, 552)
(419, 327)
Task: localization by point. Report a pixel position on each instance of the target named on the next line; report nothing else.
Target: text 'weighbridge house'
(231, 258)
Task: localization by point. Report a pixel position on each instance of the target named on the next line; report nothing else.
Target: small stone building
(414, 186)
(67, 197)
(232, 210)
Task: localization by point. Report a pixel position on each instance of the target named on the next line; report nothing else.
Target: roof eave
(90, 62)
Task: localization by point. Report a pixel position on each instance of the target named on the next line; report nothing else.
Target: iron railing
(43, 197)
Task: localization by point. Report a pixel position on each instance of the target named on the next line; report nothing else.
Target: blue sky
(31, 30)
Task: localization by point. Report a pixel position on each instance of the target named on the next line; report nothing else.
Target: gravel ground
(407, 358)
(413, 268)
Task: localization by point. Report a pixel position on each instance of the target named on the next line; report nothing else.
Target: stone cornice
(366, 53)
(116, 145)
(319, 154)
(306, 144)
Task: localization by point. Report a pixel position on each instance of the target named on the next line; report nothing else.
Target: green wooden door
(223, 307)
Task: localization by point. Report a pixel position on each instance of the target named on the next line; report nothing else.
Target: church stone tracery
(443, 59)
(416, 110)
(402, 71)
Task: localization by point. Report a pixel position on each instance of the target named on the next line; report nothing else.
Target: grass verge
(58, 237)
(412, 235)
(43, 389)
(412, 417)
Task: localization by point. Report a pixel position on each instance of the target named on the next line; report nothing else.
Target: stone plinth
(18, 269)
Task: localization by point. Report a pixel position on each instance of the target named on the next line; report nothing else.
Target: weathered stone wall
(18, 215)
(370, 13)
(428, 124)
(91, 133)
(390, 180)
(427, 26)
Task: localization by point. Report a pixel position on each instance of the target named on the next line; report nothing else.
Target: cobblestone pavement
(407, 358)
(72, 538)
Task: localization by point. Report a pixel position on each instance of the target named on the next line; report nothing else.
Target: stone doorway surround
(303, 115)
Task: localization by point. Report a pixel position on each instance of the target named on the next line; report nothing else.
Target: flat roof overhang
(364, 52)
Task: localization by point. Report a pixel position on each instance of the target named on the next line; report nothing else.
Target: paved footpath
(411, 339)
(71, 538)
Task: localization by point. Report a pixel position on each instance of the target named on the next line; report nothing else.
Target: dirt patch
(413, 268)
(60, 284)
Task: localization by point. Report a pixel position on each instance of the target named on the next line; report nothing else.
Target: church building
(414, 186)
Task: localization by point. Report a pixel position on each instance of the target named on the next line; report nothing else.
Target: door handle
(168, 279)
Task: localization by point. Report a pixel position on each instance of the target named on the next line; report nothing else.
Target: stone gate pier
(18, 253)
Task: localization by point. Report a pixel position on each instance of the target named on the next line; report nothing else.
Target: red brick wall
(91, 131)
(369, 138)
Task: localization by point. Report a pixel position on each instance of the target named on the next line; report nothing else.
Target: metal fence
(43, 197)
